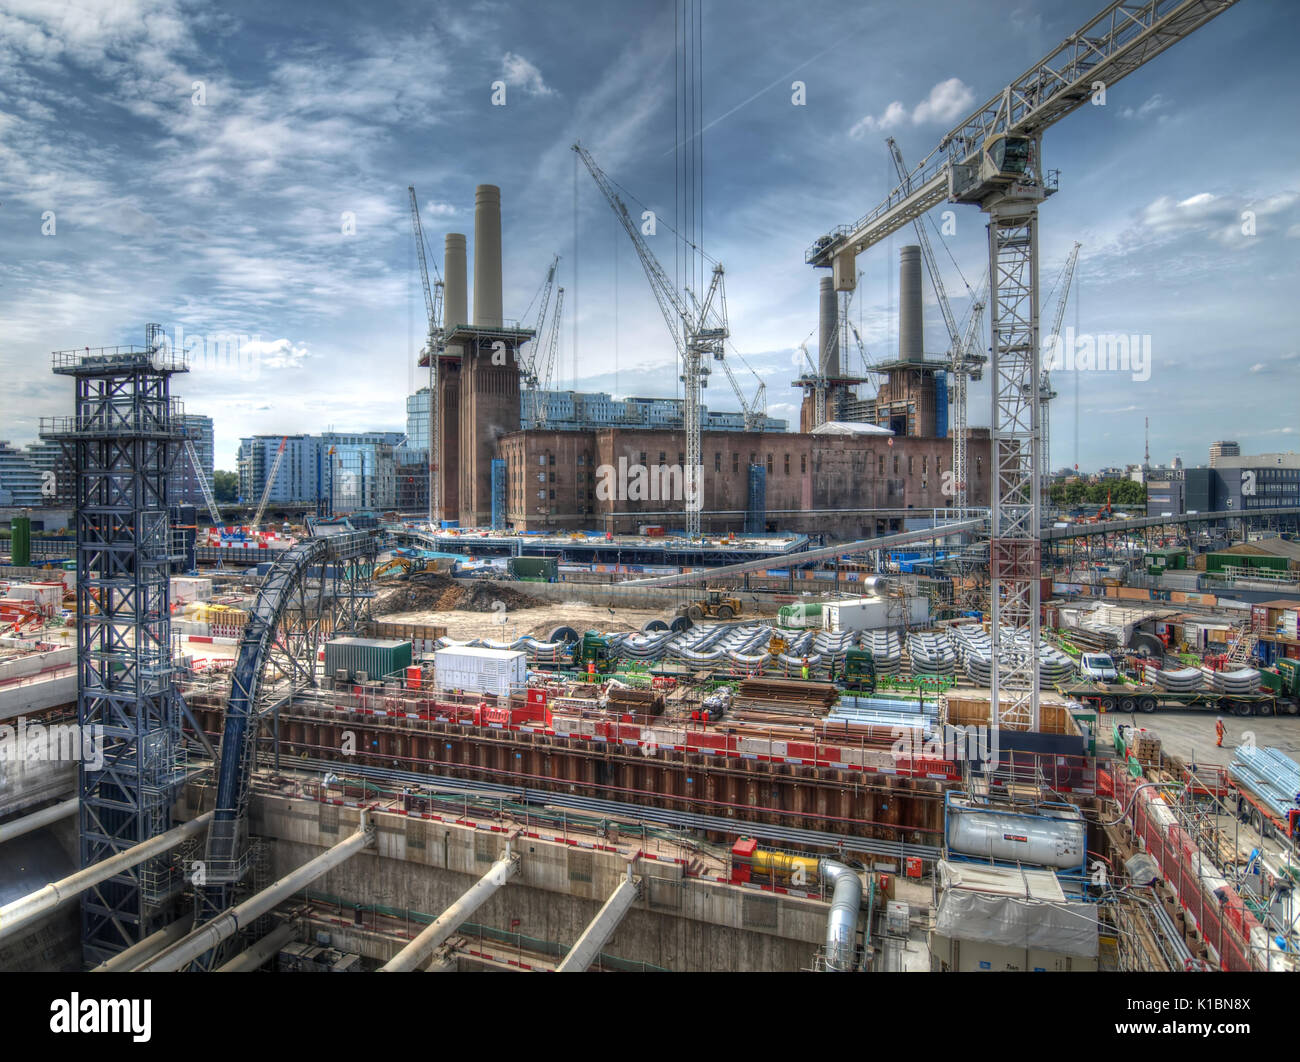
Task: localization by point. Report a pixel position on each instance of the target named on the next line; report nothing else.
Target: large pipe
(828, 328)
(34, 821)
(262, 952)
(455, 290)
(14, 916)
(209, 935)
(487, 256)
(842, 922)
(437, 931)
(601, 928)
(911, 330)
(145, 949)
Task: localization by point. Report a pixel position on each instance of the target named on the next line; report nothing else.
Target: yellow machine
(404, 567)
(713, 605)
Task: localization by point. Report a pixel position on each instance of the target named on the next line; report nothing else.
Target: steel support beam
(14, 916)
(437, 931)
(601, 928)
(262, 952)
(149, 947)
(227, 924)
(38, 819)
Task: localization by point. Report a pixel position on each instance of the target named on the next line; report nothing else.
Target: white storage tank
(1058, 839)
(495, 671)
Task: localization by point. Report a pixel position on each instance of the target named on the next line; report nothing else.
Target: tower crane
(1045, 392)
(435, 344)
(969, 366)
(270, 482)
(550, 354)
(531, 364)
(699, 328)
(204, 485)
(994, 159)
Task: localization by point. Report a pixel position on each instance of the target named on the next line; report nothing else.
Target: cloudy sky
(197, 165)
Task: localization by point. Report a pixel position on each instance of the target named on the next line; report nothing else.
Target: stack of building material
(975, 650)
(628, 701)
(1143, 745)
(760, 698)
(1269, 775)
(931, 654)
(885, 647)
(1182, 680)
(1245, 680)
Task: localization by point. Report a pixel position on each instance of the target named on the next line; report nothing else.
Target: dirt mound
(442, 593)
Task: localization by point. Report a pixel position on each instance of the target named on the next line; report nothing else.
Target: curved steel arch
(285, 626)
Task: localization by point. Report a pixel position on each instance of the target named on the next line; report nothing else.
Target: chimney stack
(455, 305)
(487, 256)
(828, 326)
(911, 334)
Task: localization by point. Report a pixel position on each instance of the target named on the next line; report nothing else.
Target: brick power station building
(845, 484)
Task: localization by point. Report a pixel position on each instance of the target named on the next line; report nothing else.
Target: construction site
(846, 699)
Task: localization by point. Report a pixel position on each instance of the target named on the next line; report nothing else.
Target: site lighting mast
(993, 159)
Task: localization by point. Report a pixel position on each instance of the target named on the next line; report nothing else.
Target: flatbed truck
(1138, 697)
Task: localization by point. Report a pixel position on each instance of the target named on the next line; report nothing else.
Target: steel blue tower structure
(123, 441)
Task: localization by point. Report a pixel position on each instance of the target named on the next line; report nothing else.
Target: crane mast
(548, 362)
(434, 346)
(994, 159)
(204, 485)
(530, 365)
(699, 329)
(270, 482)
(1045, 392)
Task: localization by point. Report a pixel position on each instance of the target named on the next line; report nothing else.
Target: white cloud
(518, 72)
(1259, 366)
(1222, 218)
(947, 102)
(1146, 109)
(277, 353)
(894, 116)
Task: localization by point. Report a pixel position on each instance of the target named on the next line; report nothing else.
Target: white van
(1098, 666)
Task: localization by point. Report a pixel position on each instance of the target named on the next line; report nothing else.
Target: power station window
(803, 463)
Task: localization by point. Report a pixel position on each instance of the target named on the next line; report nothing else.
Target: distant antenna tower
(1146, 432)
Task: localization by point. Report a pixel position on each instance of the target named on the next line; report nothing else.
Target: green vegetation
(1123, 493)
(225, 487)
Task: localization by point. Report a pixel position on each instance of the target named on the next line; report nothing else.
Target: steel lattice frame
(1014, 543)
(123, 442)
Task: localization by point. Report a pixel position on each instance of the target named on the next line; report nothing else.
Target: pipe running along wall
(842, 922)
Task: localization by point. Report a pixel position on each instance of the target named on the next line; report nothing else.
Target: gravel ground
(538, 622)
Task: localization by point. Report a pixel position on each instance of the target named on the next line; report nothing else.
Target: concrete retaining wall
(679, 923)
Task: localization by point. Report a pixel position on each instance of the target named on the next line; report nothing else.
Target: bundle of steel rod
(785, 697)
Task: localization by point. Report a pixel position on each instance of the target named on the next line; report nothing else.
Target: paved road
(1190, 734)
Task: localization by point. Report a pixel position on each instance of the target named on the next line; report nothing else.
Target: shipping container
(537, 569)
(377, 658)
(495, 671)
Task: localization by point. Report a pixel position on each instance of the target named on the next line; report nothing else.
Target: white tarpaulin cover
(1013, 907)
